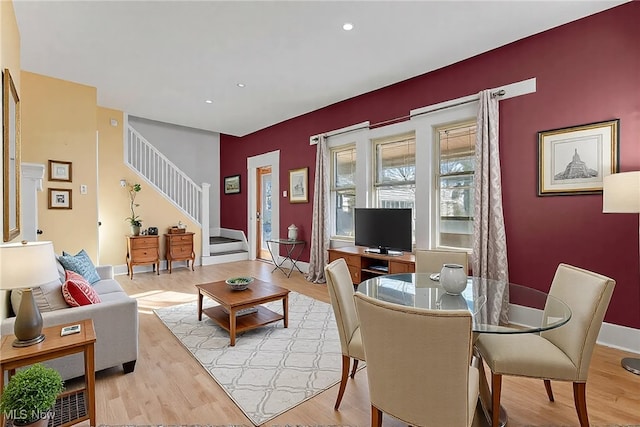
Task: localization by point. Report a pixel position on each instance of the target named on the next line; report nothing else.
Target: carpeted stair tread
(216, 240)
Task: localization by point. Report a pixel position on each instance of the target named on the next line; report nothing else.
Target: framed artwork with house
(576, 159)
(232, 184)
(299, 185)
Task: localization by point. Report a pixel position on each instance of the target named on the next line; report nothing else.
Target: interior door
(264, 211)
(271, 160)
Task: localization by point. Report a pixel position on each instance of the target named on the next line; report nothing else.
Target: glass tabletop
(286, 241)
(482, 297)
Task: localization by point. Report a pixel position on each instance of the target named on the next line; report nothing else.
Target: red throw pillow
(77, 291)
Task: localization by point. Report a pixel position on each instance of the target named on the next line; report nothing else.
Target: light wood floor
(170, 387)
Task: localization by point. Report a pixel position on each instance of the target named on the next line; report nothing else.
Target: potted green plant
(30, 395)
(134, 220)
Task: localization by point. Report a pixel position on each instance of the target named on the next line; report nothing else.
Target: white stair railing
(167, 178)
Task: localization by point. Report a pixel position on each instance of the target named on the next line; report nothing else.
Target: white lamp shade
(621, 193)
(27, 265)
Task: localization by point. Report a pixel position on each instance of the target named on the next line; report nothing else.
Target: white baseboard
(121, 269)
(616, 336)
(304, 266)
(224, 258)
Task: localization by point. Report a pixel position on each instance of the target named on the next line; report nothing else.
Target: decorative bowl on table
(239, 283)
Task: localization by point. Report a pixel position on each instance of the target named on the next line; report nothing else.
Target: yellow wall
(10, 41)
(113, 200)
(59, 123)
(9, 58)
(60, 120)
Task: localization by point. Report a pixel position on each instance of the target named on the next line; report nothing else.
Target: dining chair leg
(376, 417)
(580, 399)
(547, 386)
(496, 388)
(355, 368)
(346, 360)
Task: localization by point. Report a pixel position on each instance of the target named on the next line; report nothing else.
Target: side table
(52, 347)
(179, 247)
(292, 256)
(143, 250)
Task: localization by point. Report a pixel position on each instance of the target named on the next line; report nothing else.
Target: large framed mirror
(11, 157)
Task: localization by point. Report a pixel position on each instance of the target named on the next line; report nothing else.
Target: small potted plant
(134, 220)
(30, 395)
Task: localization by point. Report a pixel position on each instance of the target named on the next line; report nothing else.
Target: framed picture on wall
(232, 184)
(576, 159)
(59, 171)
(60, 198)
(299, 185)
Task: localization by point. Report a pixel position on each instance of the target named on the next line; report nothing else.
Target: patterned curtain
(320, 221)
(489, 256)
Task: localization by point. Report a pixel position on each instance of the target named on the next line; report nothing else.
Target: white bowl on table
(239, 283)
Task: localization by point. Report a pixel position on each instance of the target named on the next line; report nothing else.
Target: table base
(291, 256)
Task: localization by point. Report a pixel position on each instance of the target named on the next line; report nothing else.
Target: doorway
(263, 213)
(263, 172)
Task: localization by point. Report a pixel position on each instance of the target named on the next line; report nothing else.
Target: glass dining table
(484, 298)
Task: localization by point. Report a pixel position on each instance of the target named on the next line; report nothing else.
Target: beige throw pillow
(48, 297)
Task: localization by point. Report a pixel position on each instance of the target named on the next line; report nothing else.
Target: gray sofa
(115, 320)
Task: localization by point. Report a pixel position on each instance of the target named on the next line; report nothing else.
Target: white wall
(196, 152)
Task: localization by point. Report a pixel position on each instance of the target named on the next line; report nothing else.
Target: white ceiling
(162, 59)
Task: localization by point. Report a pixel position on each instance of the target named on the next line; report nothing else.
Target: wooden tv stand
(364, 265)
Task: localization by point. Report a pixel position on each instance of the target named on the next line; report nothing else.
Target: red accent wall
(586, 71)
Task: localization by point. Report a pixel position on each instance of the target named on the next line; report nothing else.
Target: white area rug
(270, 369)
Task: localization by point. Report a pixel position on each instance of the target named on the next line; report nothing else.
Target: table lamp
(24, 266)
(621, 194)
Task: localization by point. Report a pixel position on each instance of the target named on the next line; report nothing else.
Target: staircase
(226, 246)
(190, 198)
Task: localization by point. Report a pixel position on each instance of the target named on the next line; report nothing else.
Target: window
(455, 183)
(395, 172)
(343, 189)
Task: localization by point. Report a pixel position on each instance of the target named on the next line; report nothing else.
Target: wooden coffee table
(257, 293)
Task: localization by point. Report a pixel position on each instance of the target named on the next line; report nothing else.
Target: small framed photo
(59, 171)
(232, 184)
(59, 198)
(575, 160)
(299, 185)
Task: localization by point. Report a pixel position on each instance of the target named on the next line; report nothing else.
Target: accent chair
(431, 260)
(341, 293)
(423, 379)
(561, 354)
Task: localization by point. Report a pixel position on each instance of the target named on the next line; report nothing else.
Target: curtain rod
(496, 94)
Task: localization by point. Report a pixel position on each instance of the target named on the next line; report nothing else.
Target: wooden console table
(52, 347)
(364, 265)
(143, 250)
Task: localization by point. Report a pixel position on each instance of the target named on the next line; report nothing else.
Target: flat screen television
(382, 230)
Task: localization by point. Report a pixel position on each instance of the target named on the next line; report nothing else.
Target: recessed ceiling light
(208, 101)
(240, 84)
(348, 26)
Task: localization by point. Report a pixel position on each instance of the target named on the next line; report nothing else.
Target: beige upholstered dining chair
(431, 260)
(561, 354)
(423, 379)
(341, 293)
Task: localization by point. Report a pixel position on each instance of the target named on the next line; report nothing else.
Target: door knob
(38, 231)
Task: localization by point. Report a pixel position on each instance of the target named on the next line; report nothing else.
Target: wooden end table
(52, 347)
(257, 293)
